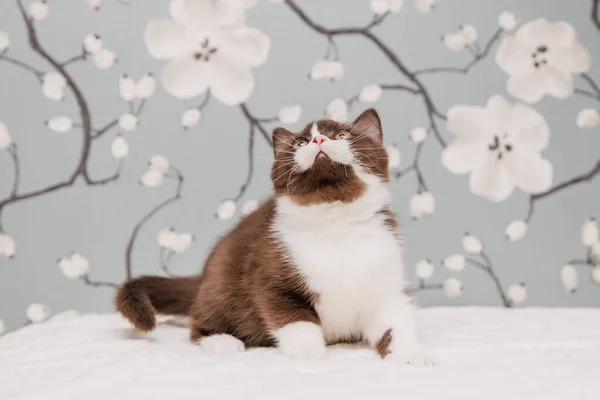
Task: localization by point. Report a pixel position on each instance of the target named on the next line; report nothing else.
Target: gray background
(97, 221)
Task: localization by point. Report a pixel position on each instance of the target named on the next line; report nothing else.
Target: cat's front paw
(413, 355)
(301, 341)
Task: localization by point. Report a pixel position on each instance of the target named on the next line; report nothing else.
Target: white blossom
(370, 93)
(289, 114)
(472, 244)
(394, 157)
(249, 207)
(7, 245)
(454, 41)
(455, 262)
(422, 204)
(508, 20)
(53, 85)
(152, 178)
(569, 278)
(469, 33)
(595, 275)
(146, 86)
(191, 117)
(380, 7)
(587, 118)
(337, 110)
(516, 230)
(424, 269)
(416, 209)
(128, 122)
(104, 59)
(452, 287)
(159, 163)
(418, 134)
(327, 69)
(589, 232)
(4, 41)
(226, 209)
(37, 312)
(5, 137)
(74, 266)
(182, 242)
(166, 237)
(127, 87)
(119, 148)
(92, 43)
(60, 124)
(517, 292)
(39, 9)
(425, 6)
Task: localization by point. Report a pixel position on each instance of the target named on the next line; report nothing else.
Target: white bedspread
(485, 354)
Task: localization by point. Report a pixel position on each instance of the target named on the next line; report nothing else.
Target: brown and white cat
(318, 263)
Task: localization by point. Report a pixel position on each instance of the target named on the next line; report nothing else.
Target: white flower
(2, 327)
(327, 69)
(508, 20)
(5, 137)
(159, 163)
(128, 122)
(53, 85)
(127, 87)
(119, 148)
(104, 59)
(394, 157)
(472, 244)
(92, 43)
(38, 10)
(380, 7)
(453, 287)
(422, 204)
(37, 312)
(516, 230)
(4, 41)
(454, 41)
(587, 118)
(416, 210)
(152, 178)
(60, 124)
(500, 146)
(469, 33)
(226, 209)
(145, 86)
(425, 6)
(370, 93)
(589, 232)
(166, 237)
(249, 207)
(74, 266)
(517, 292)
(289, 114)
(94, 4)
(541, 59)
(7, 245)
(208, 48)
(418, 134)
(569, 278)
(595, 275)
(337, 110)
(424, 269)
(190, 117)
(182, 242)
(455, 262)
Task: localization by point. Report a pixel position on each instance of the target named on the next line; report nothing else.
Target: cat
(320, 262)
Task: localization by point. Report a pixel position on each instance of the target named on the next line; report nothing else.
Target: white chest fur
(347, 254)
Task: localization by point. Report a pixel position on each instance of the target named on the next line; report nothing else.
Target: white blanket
(484, 353)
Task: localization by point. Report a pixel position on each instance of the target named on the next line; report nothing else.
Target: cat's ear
(369, 124)
(282, 140)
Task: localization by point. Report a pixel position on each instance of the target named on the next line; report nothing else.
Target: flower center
(500, 145)
(205, 51)
(539, 56)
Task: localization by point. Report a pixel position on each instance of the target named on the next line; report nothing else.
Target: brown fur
(383, 344)
(249, 287)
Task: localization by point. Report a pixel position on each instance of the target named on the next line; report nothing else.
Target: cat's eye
(343, 135)
(300, 142)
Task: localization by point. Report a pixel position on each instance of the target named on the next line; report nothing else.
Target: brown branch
(146, 218)
(95, 182)
(400, 87)
(89, 282)
(414, 167)
(488, 269)
(99, 132)
(164, 258)
(257, 122)
(590, 81)
(38, 73)
(74, 59)
(250, 173)
(596, 13)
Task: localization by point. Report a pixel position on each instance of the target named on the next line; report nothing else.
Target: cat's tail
(140, 299)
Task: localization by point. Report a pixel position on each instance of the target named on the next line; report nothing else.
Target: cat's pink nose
(319, 139)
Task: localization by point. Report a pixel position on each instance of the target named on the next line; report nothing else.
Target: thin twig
(89, 282)
(38, 73)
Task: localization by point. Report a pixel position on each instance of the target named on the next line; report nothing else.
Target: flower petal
(572, 59)
(469, 122)
(491, 181)
(549, 33)
(231, 83)
(527, 87)
(514, 57)
(166, 40)
(529, 171)
(499, 111)
(528, 129)
(463, 155)
(247, 46)
(186, 77)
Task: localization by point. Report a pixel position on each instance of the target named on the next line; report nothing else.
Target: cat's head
(324, 162)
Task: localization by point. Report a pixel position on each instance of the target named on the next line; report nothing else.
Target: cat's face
(322, 163)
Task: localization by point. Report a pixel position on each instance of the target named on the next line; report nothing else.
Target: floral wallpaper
(133, 134)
